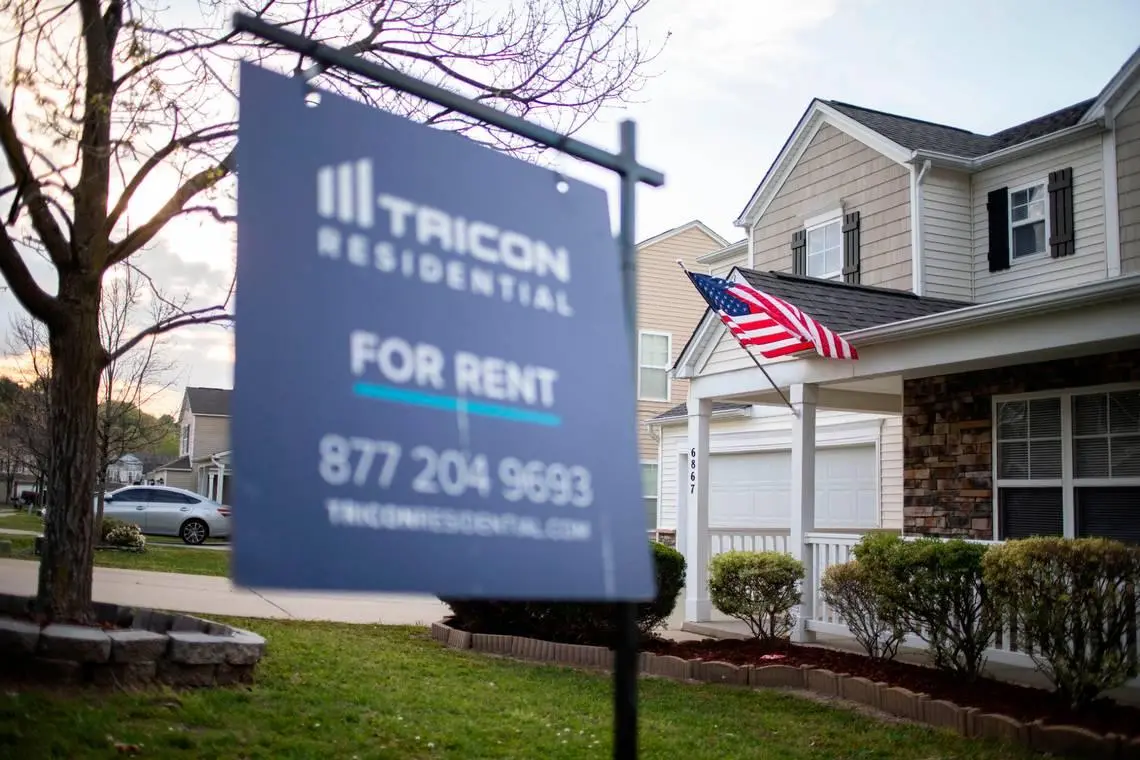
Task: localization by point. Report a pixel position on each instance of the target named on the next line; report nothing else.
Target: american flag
(774, 326)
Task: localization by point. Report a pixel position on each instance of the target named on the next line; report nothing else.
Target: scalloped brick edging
(1069, 741)
(143, 647)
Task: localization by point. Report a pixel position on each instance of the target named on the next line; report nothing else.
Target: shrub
(1073, 601)
(938, 590)
(125, 536)
(873, 620)
(760, 588)
(575, 622)
(109, 524)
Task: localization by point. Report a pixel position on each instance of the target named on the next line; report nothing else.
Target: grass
(157, 558)
(350, 691)
(20, 521)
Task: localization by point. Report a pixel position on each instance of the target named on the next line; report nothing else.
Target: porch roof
(182, 463)
(209, 459)
(1088, 319)
(842, 307)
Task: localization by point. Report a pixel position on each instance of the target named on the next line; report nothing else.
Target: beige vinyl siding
(770, 430)
(668, 303)
(1128, 184)
(179, 479)
(211, 435)
(891, 473)
(947, 237)
(1044, 273)
(837, 169)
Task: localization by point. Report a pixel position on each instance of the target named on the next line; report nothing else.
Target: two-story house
(990, 284)
(203, 464)
(667, 309)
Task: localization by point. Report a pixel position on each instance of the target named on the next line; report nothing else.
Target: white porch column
(695, 535)
(804, 398)
(221, 482)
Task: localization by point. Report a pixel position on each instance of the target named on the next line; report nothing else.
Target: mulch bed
(1020, 702)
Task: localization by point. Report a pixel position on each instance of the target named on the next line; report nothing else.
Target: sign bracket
(631, 172)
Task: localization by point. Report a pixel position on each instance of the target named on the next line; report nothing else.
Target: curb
(1059, 740)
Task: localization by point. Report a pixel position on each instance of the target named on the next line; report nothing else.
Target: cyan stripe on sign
(453, 404)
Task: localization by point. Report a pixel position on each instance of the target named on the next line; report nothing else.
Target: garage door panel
(753, 490)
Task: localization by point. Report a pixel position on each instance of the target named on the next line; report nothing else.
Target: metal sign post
(337, 192)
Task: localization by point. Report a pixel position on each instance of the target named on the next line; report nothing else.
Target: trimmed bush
(124, 536)
(874, 622)
(572, 622)
(760, 588)
(1074, 603)
(937, 587)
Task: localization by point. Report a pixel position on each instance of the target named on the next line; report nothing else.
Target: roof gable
(696, 224)
(1119, 84)
(839, 306)
(211, 402)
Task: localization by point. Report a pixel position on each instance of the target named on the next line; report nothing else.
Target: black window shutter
(997, 209)
(1061, 239)
(851, 248)
(799, 252)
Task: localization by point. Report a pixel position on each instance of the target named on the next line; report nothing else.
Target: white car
(167, 511)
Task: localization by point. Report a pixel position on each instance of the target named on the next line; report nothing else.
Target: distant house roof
(682, 410)
(210, 401)
(182, 463)
(843, 307)
(917, 134)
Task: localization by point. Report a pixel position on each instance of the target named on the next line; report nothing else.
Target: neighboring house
(126, 469)
(203, 464)
(991, 284)
(667, 308)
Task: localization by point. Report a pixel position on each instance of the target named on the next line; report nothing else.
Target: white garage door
(752, 490)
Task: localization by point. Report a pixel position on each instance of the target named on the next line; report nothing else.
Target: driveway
(209, 595)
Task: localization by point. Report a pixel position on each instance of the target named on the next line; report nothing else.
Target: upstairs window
(1027, 221)
(184, 448)
(825, 250)
(653, 366)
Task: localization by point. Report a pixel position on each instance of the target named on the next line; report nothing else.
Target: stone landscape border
(1070, 741)
(129, 647)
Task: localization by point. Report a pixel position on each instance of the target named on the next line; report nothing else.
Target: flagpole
(747, 350)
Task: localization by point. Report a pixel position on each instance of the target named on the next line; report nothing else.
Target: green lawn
(20, 521)
(164, 560)
(343, 691)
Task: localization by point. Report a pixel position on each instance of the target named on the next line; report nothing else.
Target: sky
(734, 78)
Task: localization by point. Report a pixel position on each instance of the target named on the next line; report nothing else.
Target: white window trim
(1044, 185)
(656, 498)
(815, 223)
(1068, 483)
(668, 357)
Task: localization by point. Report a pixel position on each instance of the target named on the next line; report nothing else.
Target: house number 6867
(692, 470)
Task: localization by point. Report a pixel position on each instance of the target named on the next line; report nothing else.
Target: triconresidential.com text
(350, 513)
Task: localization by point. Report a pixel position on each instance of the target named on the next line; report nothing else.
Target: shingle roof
(682, 410)
(182, 463)
(212, 401)
(843, 307)
(917, 134)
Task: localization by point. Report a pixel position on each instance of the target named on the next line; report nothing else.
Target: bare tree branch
(203, 316)
(27, 291)
(30, 190)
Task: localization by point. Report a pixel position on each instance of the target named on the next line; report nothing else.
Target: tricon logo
(344, 192)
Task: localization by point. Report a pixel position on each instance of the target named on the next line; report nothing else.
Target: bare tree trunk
(77, 359)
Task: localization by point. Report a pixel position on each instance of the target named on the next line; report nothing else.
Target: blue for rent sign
(432, 389)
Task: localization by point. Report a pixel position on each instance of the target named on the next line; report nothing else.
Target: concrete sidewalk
(208, 595)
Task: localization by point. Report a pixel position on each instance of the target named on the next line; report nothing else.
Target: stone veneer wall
(947, 428)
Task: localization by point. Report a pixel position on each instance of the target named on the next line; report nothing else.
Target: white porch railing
(747, 539)
(822, 550)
